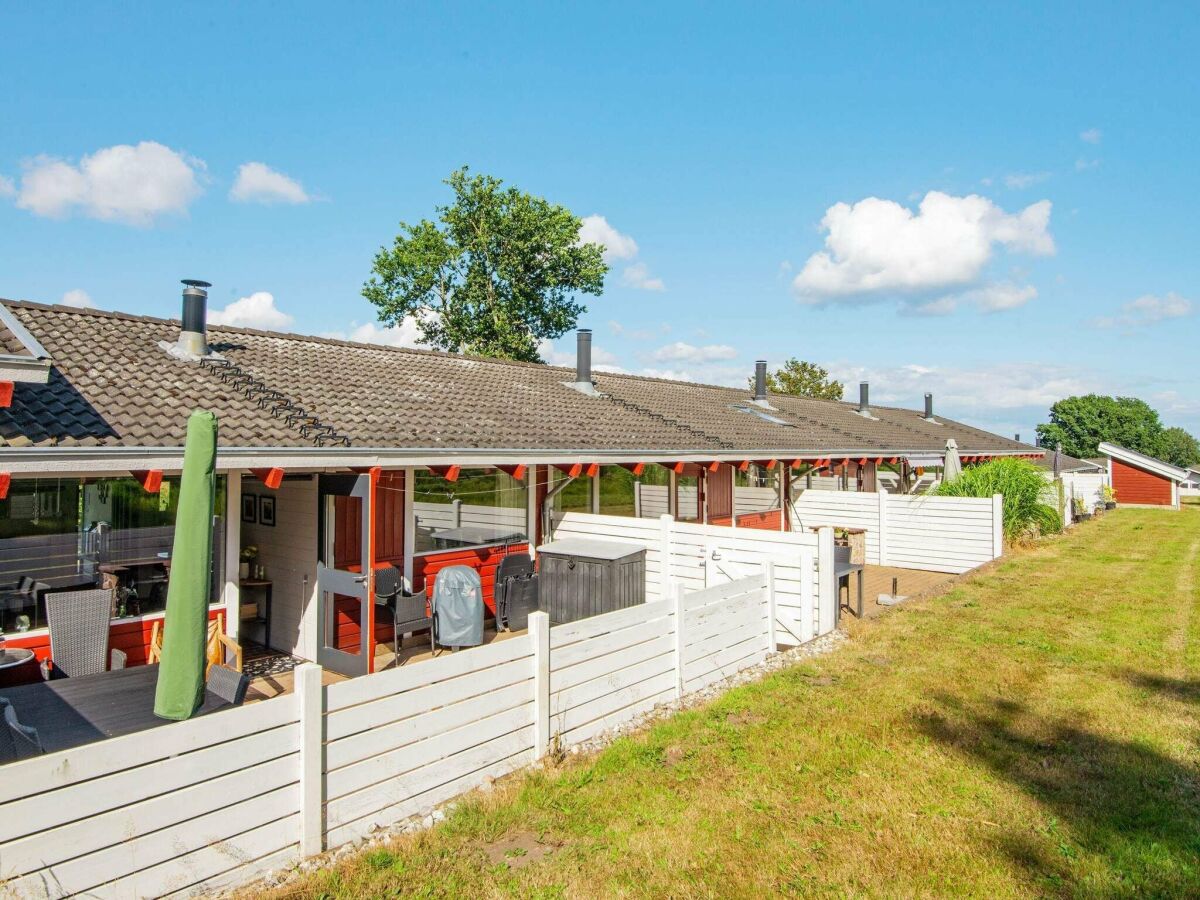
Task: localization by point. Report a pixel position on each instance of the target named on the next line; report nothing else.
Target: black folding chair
(515, 592)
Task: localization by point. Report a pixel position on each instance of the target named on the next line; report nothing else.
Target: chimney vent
(760, 381)
(864, 399)
(929, 407)
(193, 335)
(583, 364)
(1017, 437)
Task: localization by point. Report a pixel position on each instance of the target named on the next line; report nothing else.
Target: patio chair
(227, 684)
(17, 741)
(515, 592)
(78, 623)
(221, 648)
(409, 611)
(457, 607)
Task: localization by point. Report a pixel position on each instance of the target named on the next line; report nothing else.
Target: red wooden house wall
(1134, 485)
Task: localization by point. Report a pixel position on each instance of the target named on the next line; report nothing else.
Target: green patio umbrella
(180, 687)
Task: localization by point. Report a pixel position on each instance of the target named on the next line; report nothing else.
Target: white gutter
(90, 460)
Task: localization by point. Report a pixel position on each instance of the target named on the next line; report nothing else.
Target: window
(756, 490)
(483, 507)
(575, 497)
(59, 534)
(687, 498)
(652, 492)
(618, 489)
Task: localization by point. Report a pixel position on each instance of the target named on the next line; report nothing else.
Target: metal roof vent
(928, 417)
(864, 400)
(192, 343)
(583, 364)
(760, 385)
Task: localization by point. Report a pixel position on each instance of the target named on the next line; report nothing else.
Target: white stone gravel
(818, 647)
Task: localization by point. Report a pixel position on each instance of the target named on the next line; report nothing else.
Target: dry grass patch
(1031, 731)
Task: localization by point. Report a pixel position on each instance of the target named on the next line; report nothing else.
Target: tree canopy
(494, 275)
(1081, 423)
(803, 379)
(1178, 448)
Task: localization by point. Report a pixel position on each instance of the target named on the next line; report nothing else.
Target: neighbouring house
(1141, 480)
(336, 458)
(1190, 487)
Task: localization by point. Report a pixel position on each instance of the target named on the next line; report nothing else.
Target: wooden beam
(591, 470)
(517, 472)
(6, 392)
(450, 473)
(797, 463)
(712, 466)
(676, 467)
(151, 480)
(862, 461)
(272, 477)
(636, 468)
(769, 464)
(572, 471)
(5, 481)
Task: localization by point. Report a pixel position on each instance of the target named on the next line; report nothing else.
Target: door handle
(361, 579)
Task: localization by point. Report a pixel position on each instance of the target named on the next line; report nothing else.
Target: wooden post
(677, 606)
(769, 583)
(827, 593)
(310, 701)
(997, 526)
(231, 594)
(883, 535)
(539, 635)
(665, 522)
(410, 526)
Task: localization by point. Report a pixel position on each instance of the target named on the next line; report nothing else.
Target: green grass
(1033, 731)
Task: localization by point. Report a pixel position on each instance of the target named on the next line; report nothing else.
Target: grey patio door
(345, 602)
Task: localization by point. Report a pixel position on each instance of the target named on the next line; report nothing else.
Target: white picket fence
(201, 805)
(702, 556)
(937, 534)
(1086, 486)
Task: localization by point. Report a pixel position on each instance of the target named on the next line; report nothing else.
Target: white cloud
(638, 276)
(406, 334)
(256, 311)
(596, 230)
(878, 245)
(1091, 136)
(124, 183)
(942, 306)
(1083, 165)
(7, 188)
(997, 297)
(1147, 310)
(679, 351)
(78, 297)
(602, 360)
(259, 183)
(1021, 180)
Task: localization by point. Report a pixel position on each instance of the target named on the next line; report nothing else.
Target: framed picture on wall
(266, 510)
(249, 508)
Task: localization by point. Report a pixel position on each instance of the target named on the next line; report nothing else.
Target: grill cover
(457, 607)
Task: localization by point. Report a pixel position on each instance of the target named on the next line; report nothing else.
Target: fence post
(827, 588)
(310, 700)
(677, 606)
(539, 634)
(769, 583)
(997, 526)
(665, 523)
(883, 526)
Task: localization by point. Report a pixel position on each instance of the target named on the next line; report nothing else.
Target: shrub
(1028, 507)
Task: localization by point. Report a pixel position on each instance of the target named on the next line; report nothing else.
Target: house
(1141, 480)
(1190, 487)
(336, 458)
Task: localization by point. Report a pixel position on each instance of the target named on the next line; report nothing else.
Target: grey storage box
(582, 577)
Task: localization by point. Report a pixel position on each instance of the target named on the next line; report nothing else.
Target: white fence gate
(215, 801)
(701, 556)
(936, 534)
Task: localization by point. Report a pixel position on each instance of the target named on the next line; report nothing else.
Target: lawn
(1032, 731)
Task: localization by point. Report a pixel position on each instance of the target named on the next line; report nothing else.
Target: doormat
(275, 664)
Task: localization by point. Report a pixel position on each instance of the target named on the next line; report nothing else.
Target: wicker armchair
(228, 684)
(17, 741)
(79, 631)
(409, 612)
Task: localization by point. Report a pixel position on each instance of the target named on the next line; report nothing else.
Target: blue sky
(994, 205)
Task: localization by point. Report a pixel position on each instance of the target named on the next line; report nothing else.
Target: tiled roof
(113, 384)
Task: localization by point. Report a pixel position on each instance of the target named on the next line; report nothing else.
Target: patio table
(69, 712)
(474, 535)
(845, 570)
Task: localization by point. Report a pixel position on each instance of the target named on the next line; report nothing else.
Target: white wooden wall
(288, 552)
(217, 801)
(755, 499)
(702, 556)
(937, 534)
(438, 516)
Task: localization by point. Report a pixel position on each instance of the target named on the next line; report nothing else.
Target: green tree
(1178, 448)
(803, 379)
(1081, 423)
(494, 275)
